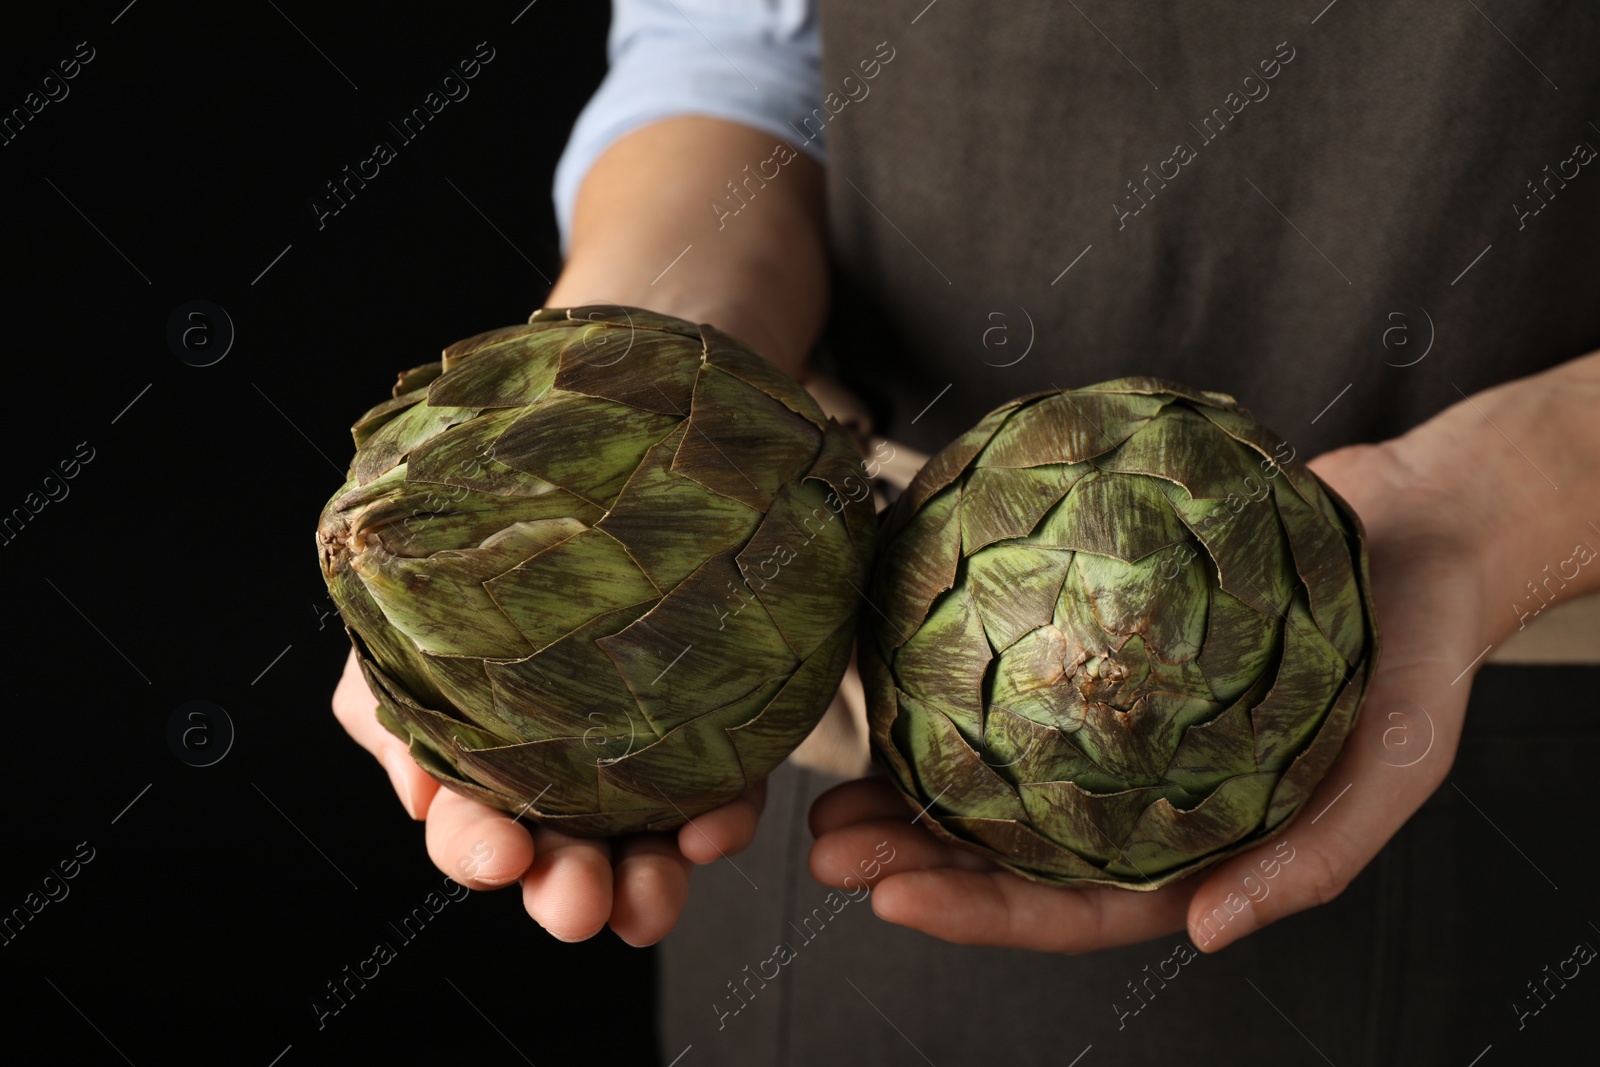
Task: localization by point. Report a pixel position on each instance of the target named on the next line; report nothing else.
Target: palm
(1396, 756)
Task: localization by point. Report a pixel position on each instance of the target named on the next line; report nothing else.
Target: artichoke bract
(1120, 634)
(603, 569)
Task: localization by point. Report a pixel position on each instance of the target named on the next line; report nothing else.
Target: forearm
(760, 275)
(1518, 466)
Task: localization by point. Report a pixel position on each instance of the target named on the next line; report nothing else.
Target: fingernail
(395, 764)
(498, 881)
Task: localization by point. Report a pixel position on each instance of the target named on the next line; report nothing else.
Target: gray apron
(1347, 217)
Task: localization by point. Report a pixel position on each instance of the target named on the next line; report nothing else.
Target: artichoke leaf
(378, 416)
(1068, 428)
(630, 318)
(393, 441)
(1061, 708)
(799, 538)
(840, 468)
(454, 354)
(1075, 618)
(949, 769)
(1240, 645)
(463, 457)
(883, 715)
(672, 524)
(557, 774)
(440, 602)
(1136, 746)
(422, 520)
(1184, 448)
(410, 381)
(585, 445)
(922, 564)
(708, 643)
(1003, 503)
(1322, 558)
(944, 468)
(442, 734)
(1121, 516)
(1309, 767)
(1015, 588)
(511, 374)
(639, 369)
(695, 759)
(1217, 749)
(1147, 598)
(557, 590)
(572, 689)
(767, 738)
(1167, 836)
(465, 685)
(1030, 680)
(1277, 456)
(1020, 749)
(1025, 851)
(742, 443)
(1091, 825)
(504, 549)
(946, 660)
(1163, 387)
(1311, 675)
(731, 355)
(376, 642)
(1245, 542)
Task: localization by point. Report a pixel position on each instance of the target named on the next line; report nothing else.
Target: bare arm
(760, 274)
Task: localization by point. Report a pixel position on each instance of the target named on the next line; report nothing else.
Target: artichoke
(1120, 634)
(602, 569)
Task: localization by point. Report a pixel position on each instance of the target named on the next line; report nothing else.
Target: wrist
(1458, 532)
(1507, 472)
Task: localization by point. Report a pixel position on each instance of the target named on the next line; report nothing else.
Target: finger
(723, 831)
(649, 886)
(355, 706)
(999, 908)
(473, 843)
(862, 800)
(568, 888)
(870, 851)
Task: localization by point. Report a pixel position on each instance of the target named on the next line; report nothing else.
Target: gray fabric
(990, 151)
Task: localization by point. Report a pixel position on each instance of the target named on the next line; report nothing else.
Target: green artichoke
(602, 569)
(1120, 634)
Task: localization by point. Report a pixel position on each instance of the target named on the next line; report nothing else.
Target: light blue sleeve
(756, 62)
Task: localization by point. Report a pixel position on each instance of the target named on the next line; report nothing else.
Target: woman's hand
(572, 886)
(1456, 518)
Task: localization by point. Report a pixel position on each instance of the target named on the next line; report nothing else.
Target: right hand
(571, 886)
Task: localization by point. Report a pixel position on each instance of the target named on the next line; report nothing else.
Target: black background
(181, 562)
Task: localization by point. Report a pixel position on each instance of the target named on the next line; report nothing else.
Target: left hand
(1427, 567)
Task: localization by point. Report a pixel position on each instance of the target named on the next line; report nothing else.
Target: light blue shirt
(756, 62)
